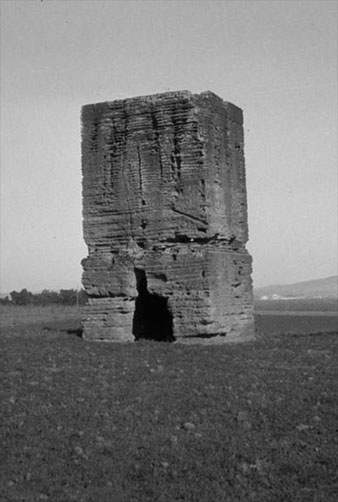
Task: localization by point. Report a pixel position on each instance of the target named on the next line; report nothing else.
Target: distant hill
(319, 288)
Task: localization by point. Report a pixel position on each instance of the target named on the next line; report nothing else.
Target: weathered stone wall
(165, 219)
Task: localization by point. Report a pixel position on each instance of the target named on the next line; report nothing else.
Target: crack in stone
(194, 218)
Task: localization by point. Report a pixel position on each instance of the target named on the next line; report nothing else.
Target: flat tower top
(166, 96)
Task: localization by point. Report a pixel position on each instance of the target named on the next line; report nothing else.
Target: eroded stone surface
(165, 219)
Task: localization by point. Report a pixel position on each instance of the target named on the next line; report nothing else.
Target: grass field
(147, 421)
(298, 305)
(31, 315)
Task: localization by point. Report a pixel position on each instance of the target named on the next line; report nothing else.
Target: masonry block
(165, 220)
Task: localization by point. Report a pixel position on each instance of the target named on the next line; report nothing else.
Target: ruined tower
(165, 220)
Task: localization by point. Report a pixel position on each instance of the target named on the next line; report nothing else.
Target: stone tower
(165, 220)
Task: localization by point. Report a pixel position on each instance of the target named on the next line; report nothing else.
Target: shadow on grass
(77, 332)
(69, 327)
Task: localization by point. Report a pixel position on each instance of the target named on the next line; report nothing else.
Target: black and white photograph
(169, 251)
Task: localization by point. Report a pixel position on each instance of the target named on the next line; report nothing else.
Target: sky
(277, 60)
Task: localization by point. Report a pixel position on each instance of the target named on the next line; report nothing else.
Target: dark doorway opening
(152, 317)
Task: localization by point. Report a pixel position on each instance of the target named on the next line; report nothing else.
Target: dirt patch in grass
(147, 421)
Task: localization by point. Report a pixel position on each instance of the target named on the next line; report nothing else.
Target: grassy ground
(163, 422)
(298, 305)
(31, 315)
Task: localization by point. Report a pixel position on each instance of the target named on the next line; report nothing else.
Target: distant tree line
(46, 297)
